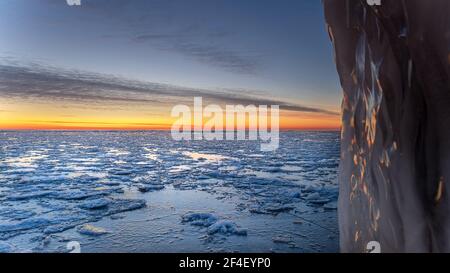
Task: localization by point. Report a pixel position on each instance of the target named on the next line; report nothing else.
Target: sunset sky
(112, 64)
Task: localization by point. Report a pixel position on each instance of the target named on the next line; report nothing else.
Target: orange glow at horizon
(286, 123)
(52, 116)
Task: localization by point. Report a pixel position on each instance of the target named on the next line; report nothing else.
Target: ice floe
(51, 182)
(6, 248)
(95, 204)
(226, 227)
(91, 230)
(200, 218)
(149, 187)
(213, 223)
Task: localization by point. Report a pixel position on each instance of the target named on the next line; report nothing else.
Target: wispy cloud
(34, 81)
(230, 60)
(152, 23)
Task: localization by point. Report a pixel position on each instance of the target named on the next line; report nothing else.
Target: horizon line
(142, 129)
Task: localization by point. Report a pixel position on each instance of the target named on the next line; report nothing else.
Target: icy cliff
(394, 64)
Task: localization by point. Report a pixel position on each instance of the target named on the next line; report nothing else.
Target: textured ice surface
(154, 194)
(91, 230)
(226, 227)
(199, 219)
(95, 204)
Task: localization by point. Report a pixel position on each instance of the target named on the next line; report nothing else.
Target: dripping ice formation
(394, 64)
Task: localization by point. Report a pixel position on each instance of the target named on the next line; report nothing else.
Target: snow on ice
(52, 182)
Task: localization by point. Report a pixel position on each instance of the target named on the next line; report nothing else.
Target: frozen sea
(138, 191)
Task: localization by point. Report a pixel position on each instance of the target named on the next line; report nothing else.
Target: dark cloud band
(41, 82)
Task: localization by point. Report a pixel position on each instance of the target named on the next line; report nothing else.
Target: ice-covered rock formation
(394, 64)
